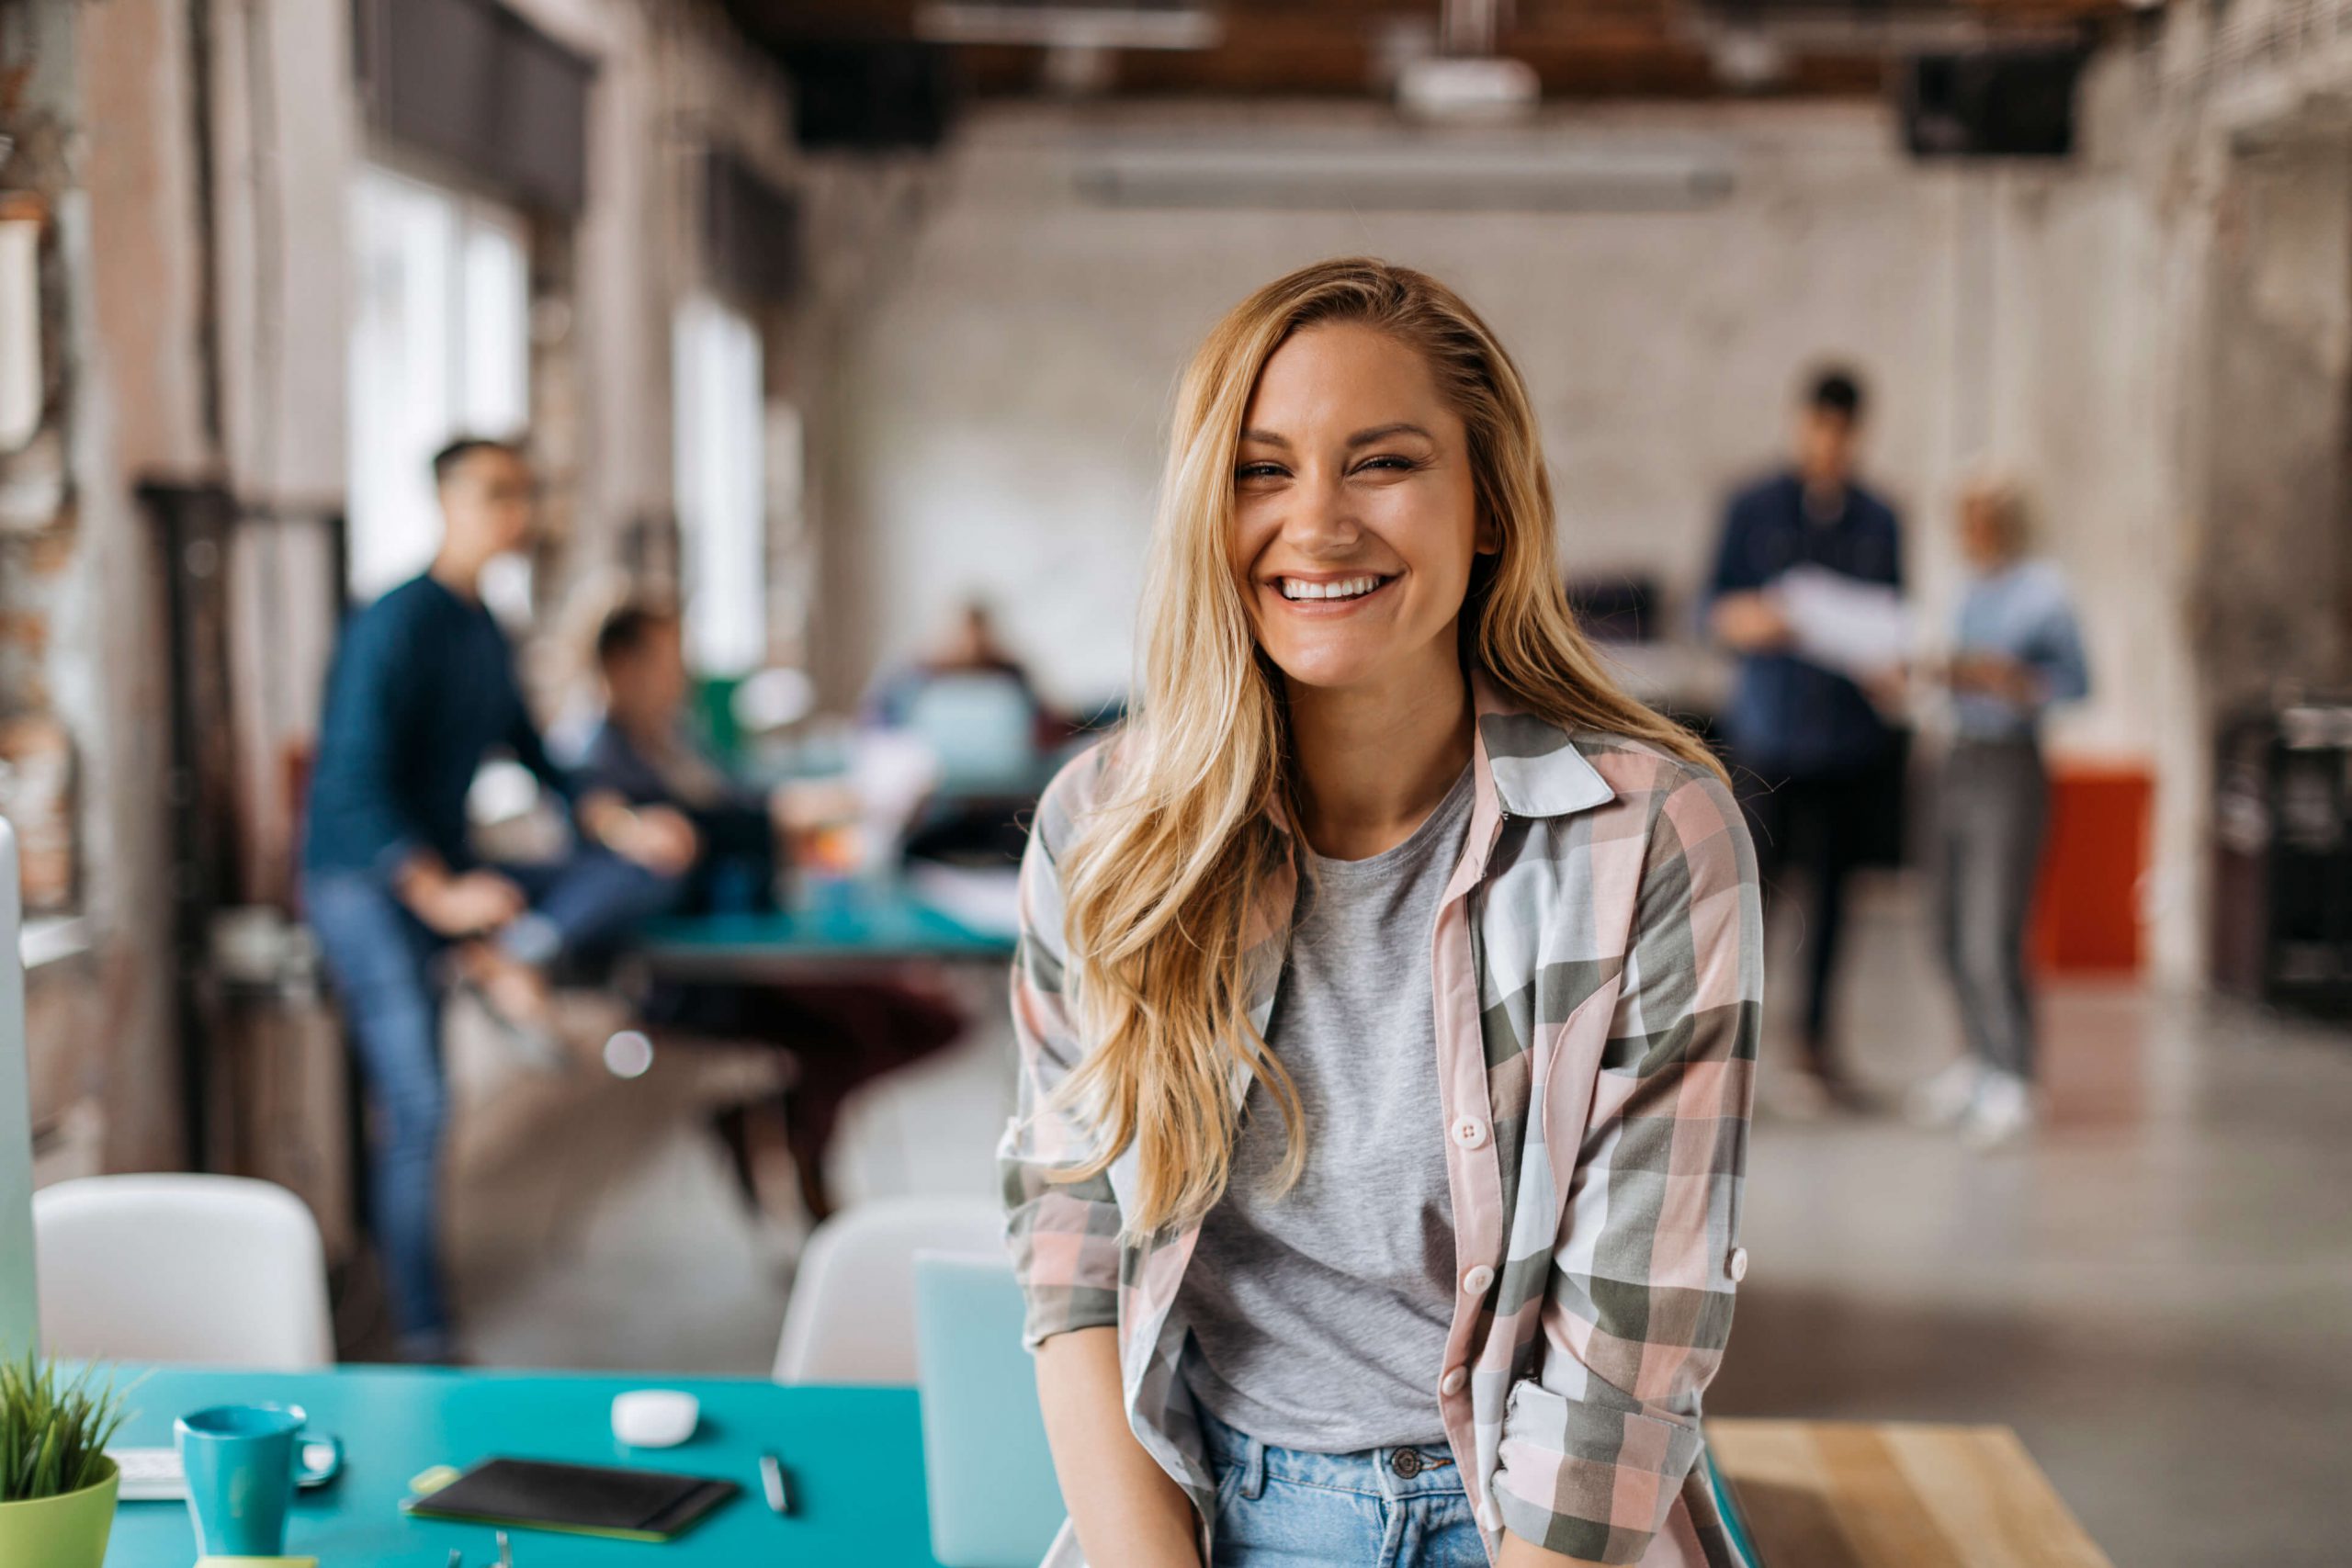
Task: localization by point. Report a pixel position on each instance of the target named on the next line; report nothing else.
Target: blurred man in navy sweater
(423, 690)
(1814, 755)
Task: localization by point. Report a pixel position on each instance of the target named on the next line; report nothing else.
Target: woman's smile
(1328, 595)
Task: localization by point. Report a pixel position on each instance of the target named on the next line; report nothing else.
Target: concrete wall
(1002, 380)
(2227, 251)
(1002, 397)
(2272, 607)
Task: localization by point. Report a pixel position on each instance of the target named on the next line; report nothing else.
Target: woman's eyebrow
(1361, 438)
(1382, 432)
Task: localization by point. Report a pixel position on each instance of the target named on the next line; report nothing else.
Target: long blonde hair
(1166, 873)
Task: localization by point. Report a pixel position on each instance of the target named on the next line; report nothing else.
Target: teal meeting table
(853, 1457)
(838, 930)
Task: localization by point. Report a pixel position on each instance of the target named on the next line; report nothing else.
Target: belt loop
(1253, 1471)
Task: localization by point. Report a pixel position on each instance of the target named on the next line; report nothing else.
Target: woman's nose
(1321, 516)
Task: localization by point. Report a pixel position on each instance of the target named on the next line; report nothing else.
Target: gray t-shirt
(1319, 1317)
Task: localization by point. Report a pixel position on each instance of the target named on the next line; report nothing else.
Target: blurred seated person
(843, 1033)
(641, 751)
(422, 690)
(967, 646)
(975, 710)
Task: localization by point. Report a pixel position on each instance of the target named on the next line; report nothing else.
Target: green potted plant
(57, 1486)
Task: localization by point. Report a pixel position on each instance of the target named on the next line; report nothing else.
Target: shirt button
(1470, 1132)
(1736, 1263)
(1452, 1382)
(1477, 1282)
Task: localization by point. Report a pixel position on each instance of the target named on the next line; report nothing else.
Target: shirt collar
(1537, 768)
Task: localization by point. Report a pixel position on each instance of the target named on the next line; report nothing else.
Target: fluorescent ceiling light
(1419, 175)
(1450, 87)
(1069, 26)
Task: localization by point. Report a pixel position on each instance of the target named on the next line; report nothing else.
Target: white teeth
(1345, 588)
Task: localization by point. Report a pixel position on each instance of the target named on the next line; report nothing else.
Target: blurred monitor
(982, 729)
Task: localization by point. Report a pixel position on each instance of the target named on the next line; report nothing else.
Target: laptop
(994, 1501)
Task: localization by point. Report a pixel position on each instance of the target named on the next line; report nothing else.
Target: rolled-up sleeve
(1597, 1443)
(1064, 1234)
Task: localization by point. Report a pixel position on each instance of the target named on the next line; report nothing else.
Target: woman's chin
(1329, 671)
(1340, 664)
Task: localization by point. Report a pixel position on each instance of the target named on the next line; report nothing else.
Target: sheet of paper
(1856, 628)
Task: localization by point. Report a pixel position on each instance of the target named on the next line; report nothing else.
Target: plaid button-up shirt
(1598, 965)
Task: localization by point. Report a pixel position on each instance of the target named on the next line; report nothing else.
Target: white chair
(214, 1269)
(852, 1317)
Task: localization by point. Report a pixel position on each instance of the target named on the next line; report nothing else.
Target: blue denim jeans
(383, 961)
(585, 907)
(1379, 1509)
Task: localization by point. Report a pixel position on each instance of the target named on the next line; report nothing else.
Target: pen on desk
(772, 1479)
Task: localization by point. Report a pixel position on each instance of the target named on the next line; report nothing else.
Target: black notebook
(632, 1505)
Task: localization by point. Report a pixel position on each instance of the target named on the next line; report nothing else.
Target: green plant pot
(61, 1533)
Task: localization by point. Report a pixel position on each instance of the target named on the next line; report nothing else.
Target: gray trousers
(1995, 802)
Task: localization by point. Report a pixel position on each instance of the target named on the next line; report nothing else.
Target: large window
(440, 345)
(721, 476)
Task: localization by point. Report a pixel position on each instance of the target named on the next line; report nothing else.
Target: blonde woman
(1387, 999)
(2017, 651)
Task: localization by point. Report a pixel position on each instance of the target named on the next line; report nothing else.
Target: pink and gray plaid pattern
(1598, 975)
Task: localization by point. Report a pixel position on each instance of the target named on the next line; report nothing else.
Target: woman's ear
(1489, 539)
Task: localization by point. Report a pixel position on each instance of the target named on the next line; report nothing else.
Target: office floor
(2157, 1292)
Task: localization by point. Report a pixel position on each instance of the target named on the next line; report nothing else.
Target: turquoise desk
(854, 1456)
(843, 930)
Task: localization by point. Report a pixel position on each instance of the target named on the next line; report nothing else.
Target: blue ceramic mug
(240, 1463)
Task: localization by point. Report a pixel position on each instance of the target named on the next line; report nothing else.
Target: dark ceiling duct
(2003, 102)
(870, 97)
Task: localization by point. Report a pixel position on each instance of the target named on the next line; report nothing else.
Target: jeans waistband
(1414, 1470)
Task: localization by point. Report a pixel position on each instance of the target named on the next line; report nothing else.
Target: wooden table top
(1841, 1494)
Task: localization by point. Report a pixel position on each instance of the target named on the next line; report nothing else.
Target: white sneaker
(2002, 1112)
(1943, 1099)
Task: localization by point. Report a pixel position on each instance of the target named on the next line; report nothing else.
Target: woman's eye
(1392, 464)
(1257, 471)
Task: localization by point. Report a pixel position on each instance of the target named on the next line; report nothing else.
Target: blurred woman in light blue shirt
(2015, 651)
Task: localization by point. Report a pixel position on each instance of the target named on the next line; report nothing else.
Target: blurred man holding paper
(1807, 589)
